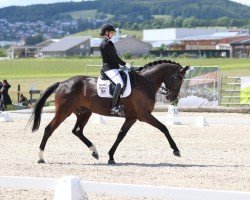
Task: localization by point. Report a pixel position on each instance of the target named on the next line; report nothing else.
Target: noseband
(169, 89)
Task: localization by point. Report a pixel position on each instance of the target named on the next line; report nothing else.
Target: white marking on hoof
(40, 155)
(93, 149)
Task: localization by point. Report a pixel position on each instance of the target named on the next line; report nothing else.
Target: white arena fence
(71, 188)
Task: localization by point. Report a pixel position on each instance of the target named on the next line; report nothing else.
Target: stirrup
(115, 111)
(118, 111)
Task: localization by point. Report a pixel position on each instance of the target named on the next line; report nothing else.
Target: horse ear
(183, 70)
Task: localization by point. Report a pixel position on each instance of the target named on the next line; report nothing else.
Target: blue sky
(5, 3)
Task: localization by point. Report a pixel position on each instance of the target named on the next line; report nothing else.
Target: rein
(166, 91)
(163, 89)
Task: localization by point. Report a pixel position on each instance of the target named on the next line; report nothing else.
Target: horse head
(173, 83)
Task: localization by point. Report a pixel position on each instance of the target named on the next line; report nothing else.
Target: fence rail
(125, 189)
(230, 92)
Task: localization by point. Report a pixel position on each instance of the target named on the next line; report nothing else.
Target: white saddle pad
(103, 87)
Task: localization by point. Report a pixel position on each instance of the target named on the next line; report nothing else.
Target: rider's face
(111, 34)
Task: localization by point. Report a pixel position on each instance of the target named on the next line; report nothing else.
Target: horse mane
(157, 62)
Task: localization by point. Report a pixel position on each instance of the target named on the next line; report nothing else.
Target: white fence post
(70, 188)
(5, 117)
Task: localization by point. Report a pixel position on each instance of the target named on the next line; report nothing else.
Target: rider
(111, 62)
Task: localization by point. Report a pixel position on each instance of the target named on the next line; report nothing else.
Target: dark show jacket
(110, 58)
(5, 98)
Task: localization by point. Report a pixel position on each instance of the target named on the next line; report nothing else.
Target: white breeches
(115, 76)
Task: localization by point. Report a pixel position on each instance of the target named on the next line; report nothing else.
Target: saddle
(106, 87)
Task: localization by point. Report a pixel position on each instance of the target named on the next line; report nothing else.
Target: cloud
(245, 2)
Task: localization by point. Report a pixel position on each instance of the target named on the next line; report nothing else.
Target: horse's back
(75, 83)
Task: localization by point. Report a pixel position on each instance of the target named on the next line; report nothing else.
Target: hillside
(133, 10)
(60, 19)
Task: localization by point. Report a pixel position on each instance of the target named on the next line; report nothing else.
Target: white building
(164, 36)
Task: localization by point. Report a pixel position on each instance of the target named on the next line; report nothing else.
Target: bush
(174, 55)
(3, 53)
(127, 55)
(145, 56)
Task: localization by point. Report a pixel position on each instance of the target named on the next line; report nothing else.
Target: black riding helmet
(106, 27)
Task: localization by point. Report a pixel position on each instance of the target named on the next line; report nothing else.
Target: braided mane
(157, 62)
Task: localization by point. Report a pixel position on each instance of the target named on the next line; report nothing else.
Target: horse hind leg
(55, 122)
(82, 120)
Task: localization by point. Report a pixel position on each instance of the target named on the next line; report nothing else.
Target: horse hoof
(95, 155)
(111, 162)
(40, 161)
(177, 153)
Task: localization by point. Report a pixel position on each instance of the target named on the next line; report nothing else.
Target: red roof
(210, 77)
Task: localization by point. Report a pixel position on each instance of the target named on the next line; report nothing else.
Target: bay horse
(78, 95)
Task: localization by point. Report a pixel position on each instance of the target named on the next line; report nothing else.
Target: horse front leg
(125, 128)
(150, 119)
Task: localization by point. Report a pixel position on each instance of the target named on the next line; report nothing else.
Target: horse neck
(157, 75)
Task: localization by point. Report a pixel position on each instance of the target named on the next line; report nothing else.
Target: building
(241, 48)
(133, 46)
(68, 46)
(47, 43)
(25, 51)
(216, 41)
(207, 45)
(171, 34)
(95, 46)
(22, 51)
(124, 45)
(157, 37)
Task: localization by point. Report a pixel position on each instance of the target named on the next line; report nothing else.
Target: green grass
(162, 16)
(96, 32)
(228, 67)
(82, 14)
(85, 14)
(66, 67)
(41, 73)
(3, 52)
(35, 68)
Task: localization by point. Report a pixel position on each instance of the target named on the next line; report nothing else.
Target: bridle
(164, 89)
(168, 89)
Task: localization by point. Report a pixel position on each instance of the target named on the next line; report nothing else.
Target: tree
(223, 21)
(33, 40)
(190, 22)
(178, 21)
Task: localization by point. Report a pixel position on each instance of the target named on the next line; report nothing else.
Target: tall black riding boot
(114, 109)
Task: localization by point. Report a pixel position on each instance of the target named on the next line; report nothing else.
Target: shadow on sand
(156, 165)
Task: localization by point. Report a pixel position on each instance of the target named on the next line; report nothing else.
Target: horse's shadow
(151, 165)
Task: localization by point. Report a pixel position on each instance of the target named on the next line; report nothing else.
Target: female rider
(111, 62)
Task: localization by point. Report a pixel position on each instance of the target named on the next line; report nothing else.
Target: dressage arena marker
(76, 192)
(173, 116)
(98, 119)
(201, 121)
(5, 117)
(69, 188)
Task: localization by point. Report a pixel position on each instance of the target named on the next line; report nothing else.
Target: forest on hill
(139, 13)
(60, 19)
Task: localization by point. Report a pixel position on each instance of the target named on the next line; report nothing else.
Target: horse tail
(36, 114)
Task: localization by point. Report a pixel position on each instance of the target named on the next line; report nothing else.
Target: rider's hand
(128, 65)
